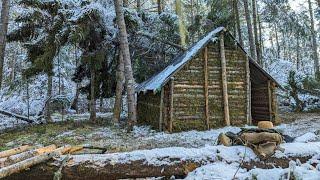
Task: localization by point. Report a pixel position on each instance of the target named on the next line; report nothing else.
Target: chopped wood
(25, 155)
(22, 165)
(14, 151)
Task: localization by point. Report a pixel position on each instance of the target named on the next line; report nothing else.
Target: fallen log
(22, 165)
(14, 151)
(25, 155)
(18, 116)
(164, 162)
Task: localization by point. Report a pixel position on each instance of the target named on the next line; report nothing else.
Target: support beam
(161, 110)
(206, 91)
(249, 116)
(270, 99)
(171, 103)
(224, 81)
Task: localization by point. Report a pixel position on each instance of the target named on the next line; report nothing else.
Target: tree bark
(238, 22)
(159, 4)
(253, 51)
(314, 42)
(25, 155)
(119, 89)
(298, 52)
(277, 40)
(92, 93)
(14, 151)
(49, 96)
(125, 3)
(129, 80)
(138, 5)
(182, 30)
(261, 43)
(22, 165)
(3, 34)
(255, 29)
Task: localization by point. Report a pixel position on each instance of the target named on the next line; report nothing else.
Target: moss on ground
(47, 134)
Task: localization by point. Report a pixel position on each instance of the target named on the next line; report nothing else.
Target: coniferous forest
(160, 89)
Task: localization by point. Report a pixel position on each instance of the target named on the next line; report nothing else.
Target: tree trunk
(255, 29)
(74, 104)
(92, 93)
(253, 51)
(238, 22)
(277, 40)
(106, 166)
(14, 151)
(138, 5)
(129, 82)
(49, 96)
(3, 34)
(125, 3)
(298, 52)
(22, 165)
(159, 5)
(182, 30)
(25, 155)
(314, 42)
(119, 89)
(261, 43)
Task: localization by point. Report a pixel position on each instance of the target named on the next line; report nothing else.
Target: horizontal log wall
(148, 109)
(188, 96)
(189, 91)
(260, 102)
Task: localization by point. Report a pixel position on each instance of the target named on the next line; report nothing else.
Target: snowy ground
(304, 127)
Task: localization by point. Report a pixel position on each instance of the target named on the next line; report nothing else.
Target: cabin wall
(189, 93)
(260, 102)
(148, 109)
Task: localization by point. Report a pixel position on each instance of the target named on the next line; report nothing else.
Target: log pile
(23, 157)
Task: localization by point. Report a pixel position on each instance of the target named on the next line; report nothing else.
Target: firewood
(14, 151)
(25, 155)
(7, 171)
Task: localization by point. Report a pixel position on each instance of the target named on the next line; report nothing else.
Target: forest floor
(143, 142)
(75, 130)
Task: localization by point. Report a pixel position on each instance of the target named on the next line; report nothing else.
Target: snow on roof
(156, 82)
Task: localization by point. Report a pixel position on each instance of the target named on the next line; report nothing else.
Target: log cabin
(214, 83)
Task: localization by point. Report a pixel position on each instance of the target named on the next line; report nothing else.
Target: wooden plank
(171, 103)
(161, 110)
(224, 80)
(206, 91)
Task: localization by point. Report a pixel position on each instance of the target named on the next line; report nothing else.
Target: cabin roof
(156, 82)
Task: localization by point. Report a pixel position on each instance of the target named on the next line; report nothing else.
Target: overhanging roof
(156, 82)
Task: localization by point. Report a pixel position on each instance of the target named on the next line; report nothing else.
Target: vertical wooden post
(249, 117)
(161, 110)
(224, 80)
(171, 103)
(275, 105)
(270, 99)
(206, 91)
